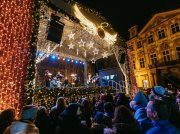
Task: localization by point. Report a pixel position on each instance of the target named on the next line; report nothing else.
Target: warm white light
(111, 39)
(91, 27)
(87, 24)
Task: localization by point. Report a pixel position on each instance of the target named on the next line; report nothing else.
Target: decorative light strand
(15, 31)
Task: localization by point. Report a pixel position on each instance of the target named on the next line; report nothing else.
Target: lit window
(153, 58)
(178, 52)
(112, 76)
(145, 83)
(175, 28)
(166, 56)
(139, 45)
(150, 39)
(141, 61)
(161, 34)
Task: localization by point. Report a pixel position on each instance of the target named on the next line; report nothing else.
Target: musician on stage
(66, 82)
(76, 81)
(53, 83)
(89, 79)
(96, 79)
(59, 76)
(47, 76)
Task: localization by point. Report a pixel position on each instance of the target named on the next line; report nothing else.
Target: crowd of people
(155, 113)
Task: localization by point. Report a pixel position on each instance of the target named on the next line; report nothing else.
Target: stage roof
(86, 37)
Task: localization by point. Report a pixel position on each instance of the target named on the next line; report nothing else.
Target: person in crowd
(122, 99)
(43, 121)
(159, 112)
(58, 109)
(158, 92)
(6, 118)
(124, 122)
(100, 103)
(170, 97)
(108, 114)
(99, 124)
(26, 123)
(86, 111)
(178, 97)
(69, 121)
(138, 104)
(108, 98)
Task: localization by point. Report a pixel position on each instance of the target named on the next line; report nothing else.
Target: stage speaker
(122, 58)
(55, 29)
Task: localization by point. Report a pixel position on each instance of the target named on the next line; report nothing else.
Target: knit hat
(140, 99)
(29, 112)
(159, 91)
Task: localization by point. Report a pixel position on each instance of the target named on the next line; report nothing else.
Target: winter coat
(124, 128)
(22, 127)
(141, 116)
(162, 127)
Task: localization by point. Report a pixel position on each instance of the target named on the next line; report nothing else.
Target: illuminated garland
(32, 53)
(46, 97)
(55, 8)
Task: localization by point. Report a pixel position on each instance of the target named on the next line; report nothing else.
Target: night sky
(122, 14)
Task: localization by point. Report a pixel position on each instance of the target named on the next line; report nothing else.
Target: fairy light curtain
(15, 35)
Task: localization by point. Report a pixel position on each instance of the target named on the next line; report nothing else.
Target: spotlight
(40, 54)
(76, 61)
(53, 57)
(68, 59)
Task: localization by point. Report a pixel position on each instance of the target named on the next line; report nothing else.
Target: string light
(16, 26)
(47, 98)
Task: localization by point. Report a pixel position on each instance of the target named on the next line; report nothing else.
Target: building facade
(156, 50)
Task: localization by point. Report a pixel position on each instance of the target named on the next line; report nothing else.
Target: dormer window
(150, 39)
(161, 34)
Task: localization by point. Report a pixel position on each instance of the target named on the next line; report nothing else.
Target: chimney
(133, 31)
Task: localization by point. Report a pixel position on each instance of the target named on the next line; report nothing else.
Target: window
(131, 47)
(145, 83)
(175, 28)
(153, 58)
(150, 39)
(141, 61)
(178, 52)
(161, 34)
(166, 56)
(139, 45)
(134, 64)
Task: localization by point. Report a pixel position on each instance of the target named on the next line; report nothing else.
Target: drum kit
(55, 82)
